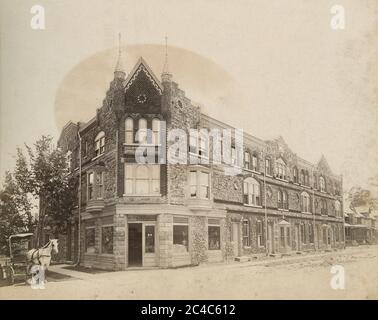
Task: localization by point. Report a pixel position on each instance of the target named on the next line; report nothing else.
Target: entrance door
(235, 238)
(135, 244)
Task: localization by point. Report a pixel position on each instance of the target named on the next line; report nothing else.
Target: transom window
(305, 202)
(251, 192)
(199, 184)
(100, 143)
(142, 179)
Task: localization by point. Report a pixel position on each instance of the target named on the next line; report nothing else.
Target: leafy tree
(44, 174)
(15, 212)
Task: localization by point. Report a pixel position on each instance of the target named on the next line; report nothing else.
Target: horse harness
(39, 255)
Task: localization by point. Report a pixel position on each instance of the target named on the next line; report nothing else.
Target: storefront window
(90, 240)
(214, 237)
(107, 240)
(149, 239)
(180, 238)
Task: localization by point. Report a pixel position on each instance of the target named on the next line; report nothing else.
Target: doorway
(235, 238)
(135, 244)
(270, 238)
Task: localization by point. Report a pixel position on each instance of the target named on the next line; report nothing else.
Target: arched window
(315, 181)
(305, 202)
(129, 130)
(282, 200)
(100, 143)
(142, 131)
(156, 131)
(323, 207)
(268, 167)
(338, 208)
(295, 175)
(281, 169)
(322, 184)
(255, 162)
(307, 178)
(251, 192)
(247, 160)
(303, 177)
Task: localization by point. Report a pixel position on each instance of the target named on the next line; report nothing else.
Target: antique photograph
(190, 150)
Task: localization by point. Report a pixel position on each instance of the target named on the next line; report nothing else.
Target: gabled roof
(322, 163)
(142, 65)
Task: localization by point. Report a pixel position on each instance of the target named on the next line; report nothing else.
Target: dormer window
(100, 143)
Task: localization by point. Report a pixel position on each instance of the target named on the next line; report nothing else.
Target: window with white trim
(90, 180)
(100, 143)
(141, 179)
(251, 189)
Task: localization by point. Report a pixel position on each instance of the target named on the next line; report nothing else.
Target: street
(296, 277)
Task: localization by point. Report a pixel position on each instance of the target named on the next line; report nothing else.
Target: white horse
(42, 257)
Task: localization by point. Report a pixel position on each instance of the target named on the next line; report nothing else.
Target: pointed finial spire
(119, 71)
(166, 76)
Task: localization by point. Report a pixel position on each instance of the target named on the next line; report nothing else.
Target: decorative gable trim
(142, 66)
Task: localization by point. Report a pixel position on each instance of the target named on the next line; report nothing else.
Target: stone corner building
(173, 215)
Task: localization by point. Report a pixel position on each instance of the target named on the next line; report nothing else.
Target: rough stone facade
(171, 228)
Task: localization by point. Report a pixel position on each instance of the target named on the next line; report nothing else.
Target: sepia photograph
(188, 150)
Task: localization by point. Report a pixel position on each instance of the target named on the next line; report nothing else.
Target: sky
(269, 67)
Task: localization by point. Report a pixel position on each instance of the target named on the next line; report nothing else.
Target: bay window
(199, 184)
(142, 179)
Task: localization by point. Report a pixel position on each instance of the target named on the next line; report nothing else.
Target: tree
(45, 175)
(15, 212)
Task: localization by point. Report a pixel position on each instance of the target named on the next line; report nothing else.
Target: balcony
(95, 205)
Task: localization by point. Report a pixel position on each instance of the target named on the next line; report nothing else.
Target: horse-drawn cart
(16, 267)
